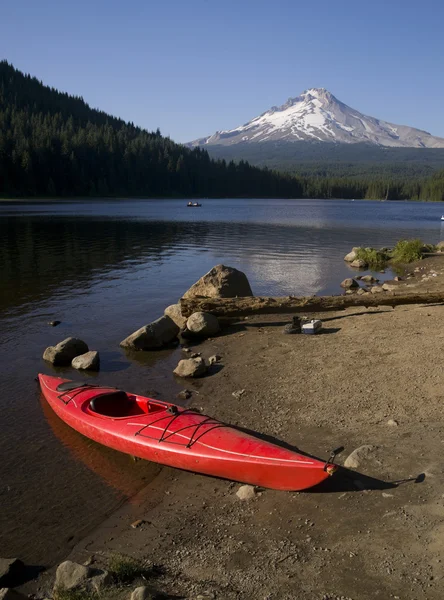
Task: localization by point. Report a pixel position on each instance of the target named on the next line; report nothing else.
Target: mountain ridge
(317, 115)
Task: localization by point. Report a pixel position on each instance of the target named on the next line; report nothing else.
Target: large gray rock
(221, 282)
(65, 351)
(88, 361)
(203, 324)
(174, 312)
(142, 593)
(7, 594)
(191, 367)
(10, 568)
(71, 575)
(155, 335)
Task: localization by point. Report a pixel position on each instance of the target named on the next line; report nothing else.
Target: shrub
(126, 568)
(407, 251)
(376, 259)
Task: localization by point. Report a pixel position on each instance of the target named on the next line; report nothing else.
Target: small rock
(137, 523)
(349, 283)
(246, 492)
(382, 271)
(206, 596)
(392, 423)
(359, 263)
(10, 569)
(385, 495)
(389, 287)
(358, 456)
(361, 291)
(63, 352)
(398, 278)
(54, 323)
(90, 361)
(238, 393)
(349, 292)
(377, 289)
(142, 593)
(214, 359)
(369, 279)
(71, 575)
(351, 256)
(195, 354)
(191, 367)
(154, 335)
(186, 350)
(202, 324)
(185, 394)
(8, 594)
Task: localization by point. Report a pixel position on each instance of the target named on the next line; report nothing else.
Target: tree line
(53, 144)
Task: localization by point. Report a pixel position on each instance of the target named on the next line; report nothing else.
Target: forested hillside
(54, 144)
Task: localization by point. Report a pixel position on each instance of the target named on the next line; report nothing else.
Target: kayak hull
(170, 435)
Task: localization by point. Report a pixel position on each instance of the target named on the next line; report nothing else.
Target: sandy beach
(372, 377)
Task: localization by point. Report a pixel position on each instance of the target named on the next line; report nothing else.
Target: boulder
(359, 263)
(246, 492)
(358, 456)
(369, 279)
(361, 291)
(71, 575)
(440, 246)
(349, 283)
(142, 593)
(202, 324)
(174, 312)
(351, 256)
(65, 351)
(155, 335)
(221, 282)
(88, 361)
(7, 594)
(191, 367)
(10, 569)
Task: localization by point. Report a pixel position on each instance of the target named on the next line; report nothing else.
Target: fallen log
(236, 307)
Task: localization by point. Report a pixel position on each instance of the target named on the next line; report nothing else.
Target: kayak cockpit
(118, 404)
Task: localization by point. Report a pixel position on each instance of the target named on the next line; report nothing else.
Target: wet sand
(375, 532)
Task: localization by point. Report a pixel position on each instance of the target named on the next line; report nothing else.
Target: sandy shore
(372, 533)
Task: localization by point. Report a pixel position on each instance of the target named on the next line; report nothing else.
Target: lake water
(105, 268)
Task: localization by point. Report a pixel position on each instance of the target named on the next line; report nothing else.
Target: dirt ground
(377, 532)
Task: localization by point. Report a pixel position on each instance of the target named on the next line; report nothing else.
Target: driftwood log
(236, 307)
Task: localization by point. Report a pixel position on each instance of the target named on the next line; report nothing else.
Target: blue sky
(191, 67)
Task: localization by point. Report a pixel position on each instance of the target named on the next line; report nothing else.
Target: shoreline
(366, 533)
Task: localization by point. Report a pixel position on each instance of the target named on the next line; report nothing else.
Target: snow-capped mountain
(318, 116)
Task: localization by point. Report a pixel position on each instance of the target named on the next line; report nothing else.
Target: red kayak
(178, 437)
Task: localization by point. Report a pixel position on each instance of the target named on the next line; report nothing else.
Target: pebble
(392, 423)
(214, 359)
(246, 492)
(184, 394)
(54, 323)
(137, 523)
(238, 393)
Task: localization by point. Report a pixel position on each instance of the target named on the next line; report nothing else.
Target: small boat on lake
(193, 204)
(179, 437)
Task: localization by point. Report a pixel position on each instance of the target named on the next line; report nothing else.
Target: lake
(104, 269)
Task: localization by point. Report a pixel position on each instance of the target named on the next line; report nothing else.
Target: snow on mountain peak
(318, 116)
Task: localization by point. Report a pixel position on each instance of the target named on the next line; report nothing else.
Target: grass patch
(376, 259)
(407, 251)
(126, 569)
(62, 594)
